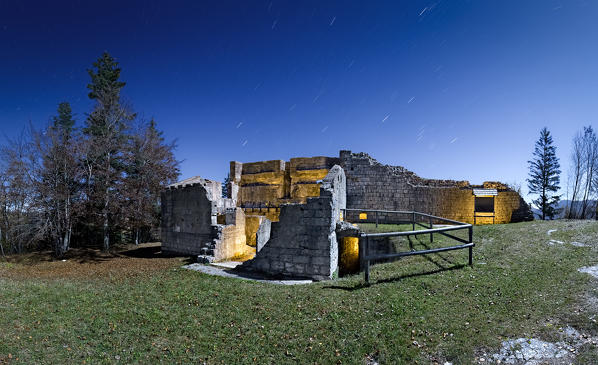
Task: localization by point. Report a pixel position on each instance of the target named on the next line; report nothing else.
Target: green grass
(418, 309)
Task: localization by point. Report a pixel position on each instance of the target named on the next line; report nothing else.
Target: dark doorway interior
(484, 204)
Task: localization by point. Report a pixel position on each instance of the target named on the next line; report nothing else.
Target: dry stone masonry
(196, 220)
(303, 242)
(288, 213)
(372, 185)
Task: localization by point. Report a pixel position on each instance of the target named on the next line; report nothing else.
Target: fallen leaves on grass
(90, 264)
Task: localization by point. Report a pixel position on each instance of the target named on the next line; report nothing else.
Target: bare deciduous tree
(150, 166)
(18, 216)
(582, 174)
(59, 178)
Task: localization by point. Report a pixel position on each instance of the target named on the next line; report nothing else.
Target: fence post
(361, 252)
(367, 262)
(431, 226)
(470, 248)
(413, 221)
(376, 219)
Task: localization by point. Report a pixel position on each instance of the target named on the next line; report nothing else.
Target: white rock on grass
(555, 242)
(549, 232)
(531, 351)
(592, 270)
(574, 243)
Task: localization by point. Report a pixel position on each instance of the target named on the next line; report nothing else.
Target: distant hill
(562, 205)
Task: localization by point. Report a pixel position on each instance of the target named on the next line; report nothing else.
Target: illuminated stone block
(269, 178)
(300, 176)
(363, 216)
(349, 255)
(252, 223)
(302, 191)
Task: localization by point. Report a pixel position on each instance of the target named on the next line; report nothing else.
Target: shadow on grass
(96, 255)
(394, 279)
(144, 252)
(155, 252)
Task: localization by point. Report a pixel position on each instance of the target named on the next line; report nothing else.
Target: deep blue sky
(448, 89)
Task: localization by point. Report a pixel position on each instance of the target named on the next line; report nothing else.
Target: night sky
(448, 89)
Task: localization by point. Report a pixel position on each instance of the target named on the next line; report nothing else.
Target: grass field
(138, 307)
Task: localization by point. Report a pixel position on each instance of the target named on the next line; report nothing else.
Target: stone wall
(288, 211)
(372, 185)
(303, 242)
(261, 187)
(196, 220)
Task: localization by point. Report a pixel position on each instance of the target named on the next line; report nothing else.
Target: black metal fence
(424, 220)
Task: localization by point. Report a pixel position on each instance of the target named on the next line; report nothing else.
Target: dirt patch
(89, 263)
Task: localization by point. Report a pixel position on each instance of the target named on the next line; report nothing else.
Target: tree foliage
(105, 129)
(544, 175)
(225, 184)
(70, 185)
(59, 178)
(150, 166)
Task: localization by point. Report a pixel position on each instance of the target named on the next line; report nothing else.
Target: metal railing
(364, 238)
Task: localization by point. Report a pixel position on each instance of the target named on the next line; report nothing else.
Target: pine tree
(225, 185)
(64, 120)
(544, 175)
(105, 129)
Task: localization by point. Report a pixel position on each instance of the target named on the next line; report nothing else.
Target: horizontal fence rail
(365, 257)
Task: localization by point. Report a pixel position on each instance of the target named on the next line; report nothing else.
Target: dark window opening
(484, 204)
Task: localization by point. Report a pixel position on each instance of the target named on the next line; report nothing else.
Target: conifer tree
(225, 185)
(544, 175)
(105, 129)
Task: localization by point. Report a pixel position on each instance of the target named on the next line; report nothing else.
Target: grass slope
(419, 309)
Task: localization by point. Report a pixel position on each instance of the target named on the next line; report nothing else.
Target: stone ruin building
(286, 218)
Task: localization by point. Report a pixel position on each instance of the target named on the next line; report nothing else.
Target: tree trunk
(543, 204)
(58, 250)
(65, 242)
(105, 229)
(577, 161)
(2, 247)
(588, 188)
(106, 233)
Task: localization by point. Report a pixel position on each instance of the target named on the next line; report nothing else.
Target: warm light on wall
(252, 224)
(363, 216)
(349, 255)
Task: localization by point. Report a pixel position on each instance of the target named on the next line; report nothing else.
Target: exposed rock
(592, 270)
(263, 234)
(532, 351)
